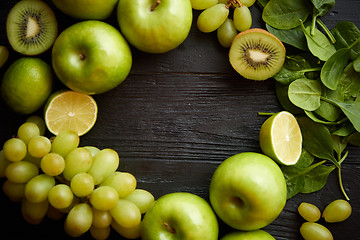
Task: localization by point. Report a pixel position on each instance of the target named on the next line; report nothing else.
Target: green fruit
(85, 9)
(315, 231)
(4, 55)
(155, 26)
(180, 216)
(251, 235)
(248, 191)
(309, 212)
(337, 211)
(27, 84)
(91, 57)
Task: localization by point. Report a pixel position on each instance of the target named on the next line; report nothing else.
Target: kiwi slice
(256, 54)
(31, 27)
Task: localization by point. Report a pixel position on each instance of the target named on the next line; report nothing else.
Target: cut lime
(280, 138)
(69, 110)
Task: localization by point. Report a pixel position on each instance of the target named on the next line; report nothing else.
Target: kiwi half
(31, 27)
(256, 54)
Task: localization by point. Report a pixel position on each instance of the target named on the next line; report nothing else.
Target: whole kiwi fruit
(31, 27)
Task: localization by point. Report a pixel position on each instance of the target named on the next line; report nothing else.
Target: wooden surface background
(176, 118)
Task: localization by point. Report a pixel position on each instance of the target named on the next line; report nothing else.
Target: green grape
(60, 196)
(202, 4)
(39, 146)
(54, 213)
(101, 219)
(14, 191)
(337, 211)
(212, 18)
(52, 164)
(14, 149)
(93, 150)
(79, 220)
(126, 213)
(309, 212)
(226, 33)
(129, 233)
(247, 3)
(21, 172)
(315, 231)
(65, 142)
(100, 233)
(142, 199)
(77, 161)
(39, 122)
(104, 164)
(37, 189)
(242, 18)
(104, 198)
(27, 131)
(31, 159)
(4, 163)
(82, 184)
(34, 213)
(124, 183)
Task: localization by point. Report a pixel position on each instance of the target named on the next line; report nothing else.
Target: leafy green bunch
(320, 84)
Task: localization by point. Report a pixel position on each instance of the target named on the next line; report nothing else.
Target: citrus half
(280, 138)
(69, 110)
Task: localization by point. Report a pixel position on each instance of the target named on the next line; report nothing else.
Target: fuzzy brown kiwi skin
(258, 30)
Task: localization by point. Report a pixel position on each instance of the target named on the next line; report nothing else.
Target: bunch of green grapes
(56, 177)
(216, 15)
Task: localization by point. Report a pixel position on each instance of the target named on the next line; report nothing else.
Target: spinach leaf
(262, 3)
(333, 68)
(317, 139)
(313, 117)
(318, 44)
(354, 139)
(321, 7)
(305, 93)
(349, 85)
(316, 178)
(345, 34)
(351, 110)
(294, 36)
(281, 91)
(356, 64)
(284, 14)
(286, 76)
(326, 110)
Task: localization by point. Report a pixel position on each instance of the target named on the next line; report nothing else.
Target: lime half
(69, 110)
(280, 138)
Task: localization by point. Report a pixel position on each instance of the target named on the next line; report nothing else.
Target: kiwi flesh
(31, 27)
(257, 54)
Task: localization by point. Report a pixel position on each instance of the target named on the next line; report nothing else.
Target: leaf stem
(265, 113)
(313, 25)
(310, 70)
(354, 43)
(341, 185)
(327, 31)
(308, 169)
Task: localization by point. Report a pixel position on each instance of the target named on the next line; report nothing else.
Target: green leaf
(317, 139)
(294, 36)
(322, 6)
(351, 111)
(305, 93)
(286, 76)
(318, 44)
(284, 14)
(346, 33)
(333, 68)
(357, 64)
(316, 179)
(281, 91)
(349, 85)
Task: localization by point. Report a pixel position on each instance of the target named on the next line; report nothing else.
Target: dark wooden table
(176, 118)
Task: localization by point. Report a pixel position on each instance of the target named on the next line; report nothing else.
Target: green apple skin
(155, 28)
(86, 9)
(248, 191)
(91, 57)
(180, 216)
(250, 235)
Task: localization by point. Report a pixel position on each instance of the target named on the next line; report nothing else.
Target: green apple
(180, 216)
(248, 191)
(155, 26)
(86, 9)
(91, 57)
(250, 235)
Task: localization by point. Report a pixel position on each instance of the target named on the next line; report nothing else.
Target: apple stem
(157, 4)
(82, 56)
(169, 228)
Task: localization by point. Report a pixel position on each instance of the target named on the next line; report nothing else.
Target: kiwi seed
(31, 27)
(256, 54)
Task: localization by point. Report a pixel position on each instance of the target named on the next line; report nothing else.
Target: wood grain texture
(177, 117)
